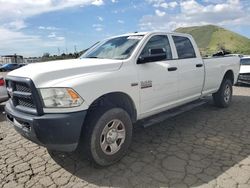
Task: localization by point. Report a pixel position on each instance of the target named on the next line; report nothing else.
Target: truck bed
(215, 68)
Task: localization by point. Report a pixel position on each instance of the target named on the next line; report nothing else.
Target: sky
(35, 27)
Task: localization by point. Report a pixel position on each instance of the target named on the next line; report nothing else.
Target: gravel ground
(205, 147)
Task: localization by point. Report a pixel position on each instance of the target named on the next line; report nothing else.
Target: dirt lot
(205, 147)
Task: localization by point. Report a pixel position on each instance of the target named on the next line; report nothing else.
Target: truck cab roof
(151, 33)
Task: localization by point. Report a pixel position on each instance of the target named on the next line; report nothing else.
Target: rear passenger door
(191, 69)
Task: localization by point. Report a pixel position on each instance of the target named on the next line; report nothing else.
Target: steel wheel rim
(112, 137)
(227, 93)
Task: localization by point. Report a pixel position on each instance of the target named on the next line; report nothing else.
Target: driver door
(157, 78)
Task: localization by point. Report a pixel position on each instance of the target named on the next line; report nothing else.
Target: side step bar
(158, 118)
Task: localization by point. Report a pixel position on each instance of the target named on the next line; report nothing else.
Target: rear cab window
(184, 47)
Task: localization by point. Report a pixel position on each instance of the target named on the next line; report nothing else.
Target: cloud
(15, 36)
(100, 18)
(52, 35)
(192, 12)
(114, 1)
(173, 4)
(214, 1)
(97, 2)
(157, 3)
(159, 13)
(120, 21)
(162, 4)
(49, 28)
(98, 27)
(16, 25)
(60, 38)
(13, 9)
(13, 42)
(13, 14)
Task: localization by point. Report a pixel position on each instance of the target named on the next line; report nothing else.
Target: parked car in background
(238, 55)
(3, 91)
(22, 64)
(11, 66)
(244, 76)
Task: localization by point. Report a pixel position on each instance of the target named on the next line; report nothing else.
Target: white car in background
(3, 91)
(244, 76)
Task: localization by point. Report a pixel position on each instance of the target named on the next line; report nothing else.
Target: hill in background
(211, 39)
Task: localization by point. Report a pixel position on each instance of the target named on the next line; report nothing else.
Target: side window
(184, 47)
(155, 43)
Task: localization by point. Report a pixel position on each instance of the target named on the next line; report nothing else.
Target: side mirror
(156, 54)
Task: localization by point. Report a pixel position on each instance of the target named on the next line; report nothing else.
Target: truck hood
(53, 71)
(245, 69)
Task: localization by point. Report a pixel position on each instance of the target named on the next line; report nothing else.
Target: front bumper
(59, 132)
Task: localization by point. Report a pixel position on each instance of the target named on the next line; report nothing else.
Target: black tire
(93, 135)
(223, 97)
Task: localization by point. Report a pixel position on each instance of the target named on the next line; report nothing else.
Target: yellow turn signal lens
(73, 94)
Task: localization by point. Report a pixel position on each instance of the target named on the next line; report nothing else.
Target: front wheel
(223, 97)
(107, 136)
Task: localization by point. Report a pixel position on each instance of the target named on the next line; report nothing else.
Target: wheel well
(117, 99)
(229, 75)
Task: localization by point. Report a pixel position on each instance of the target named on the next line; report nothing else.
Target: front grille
(24, 95)
(21, 94)
(22, 87)
(26, 102)
(244, 76)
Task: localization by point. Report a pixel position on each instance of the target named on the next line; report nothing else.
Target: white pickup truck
(91, 103)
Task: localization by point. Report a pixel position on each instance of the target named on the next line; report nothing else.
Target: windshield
(115, 48)
(245, 61)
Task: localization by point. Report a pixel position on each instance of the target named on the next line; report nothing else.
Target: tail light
(2, 82)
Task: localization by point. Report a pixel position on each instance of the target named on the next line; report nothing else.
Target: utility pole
(59, 52)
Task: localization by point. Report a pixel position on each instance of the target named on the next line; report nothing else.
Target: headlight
(60, 98)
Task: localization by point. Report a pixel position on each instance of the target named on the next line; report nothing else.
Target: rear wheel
(223, 97)
(107, 135)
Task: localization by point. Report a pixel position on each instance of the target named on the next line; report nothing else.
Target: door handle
(172, 68)
(199, 65)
